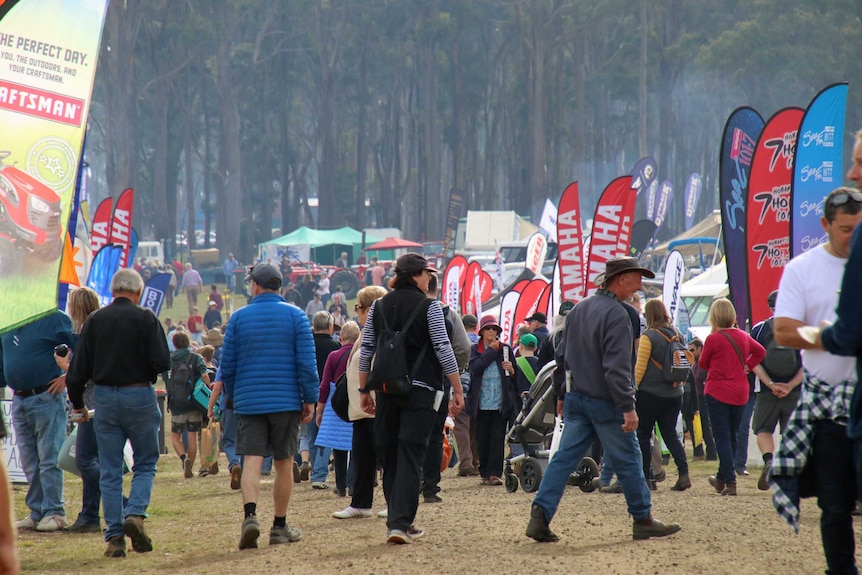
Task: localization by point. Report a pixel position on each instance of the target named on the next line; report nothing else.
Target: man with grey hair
(122, 349)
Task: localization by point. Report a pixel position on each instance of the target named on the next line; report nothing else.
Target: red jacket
(726, 379)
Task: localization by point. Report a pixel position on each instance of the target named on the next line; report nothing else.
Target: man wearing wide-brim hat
(213, 337)
(599, 401)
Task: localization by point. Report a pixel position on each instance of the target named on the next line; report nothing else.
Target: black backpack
(389, 373)
(676, 364)
(781, 363)
(181, 386)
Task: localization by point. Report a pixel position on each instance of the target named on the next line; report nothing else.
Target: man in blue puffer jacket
(269, 369)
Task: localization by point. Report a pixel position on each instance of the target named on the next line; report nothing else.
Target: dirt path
(476, 530)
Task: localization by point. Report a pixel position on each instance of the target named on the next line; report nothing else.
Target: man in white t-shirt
(807, 296)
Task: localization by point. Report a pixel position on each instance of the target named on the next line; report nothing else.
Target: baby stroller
(533, 430)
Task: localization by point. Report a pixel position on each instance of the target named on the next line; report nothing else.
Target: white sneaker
(51, 523)
(383, 514)
(352, 512)
(26, 523)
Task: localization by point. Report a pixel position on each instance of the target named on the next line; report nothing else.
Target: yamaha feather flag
(121, 224)
(741, 132)
(817, 167)
(612, 228)
(50, 50)
(767, 231)
(570, 245)
(100, 231)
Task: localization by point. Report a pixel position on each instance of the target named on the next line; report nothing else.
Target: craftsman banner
(612, 228)
(817, 168)
(767, 231)
(741, 132)
(49, 50)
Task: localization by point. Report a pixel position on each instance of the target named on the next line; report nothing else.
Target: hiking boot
(538, 527)
(78, 527)
(116, 547)
(615, 487)
(433, 498)
(683, 482)
(250, 533)
(716, 483)
(51, 523)
(304, 471)
(729, 489)
(187, 468)
(133, 527)
(236, 477)
(286, 534)
(763, 482)
(297, 476)
(651, 527)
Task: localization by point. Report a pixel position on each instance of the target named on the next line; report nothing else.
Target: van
(152, 251)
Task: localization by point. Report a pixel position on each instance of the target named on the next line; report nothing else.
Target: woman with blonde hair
(363, 454)
(658, 400)
(728, 355)
(81, 303)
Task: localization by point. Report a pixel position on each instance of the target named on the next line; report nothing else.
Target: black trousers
(364, 460)
(706, 426)
(402, 429)
(491, 438)
(653, 409)
(434, 454)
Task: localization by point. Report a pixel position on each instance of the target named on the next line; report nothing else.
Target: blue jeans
(126, 413)
(740, 454)
(228, 438)
(725, 423)
(311, 430)
(87, 459)
(607, 473)
(835, 485)
(40, 429)
(320, 467)
(587, 418)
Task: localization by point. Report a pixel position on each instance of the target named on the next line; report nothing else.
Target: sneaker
(28, 523)
(187, 468)
(133, 527)
(78, 527)
(286, 534)
(297, 477)
(236, 477)
(319, 485)
(615, 487)
(304, 471)
(250, 533)
(742, 471)
(763, 482)
(538, 528)
(116, 547)
(650, 527)
(415, 533)
(203, 472)
(433, 498)
(214, 468)
(383, 514)
(351, 512)
(51, 523)
(398, 537)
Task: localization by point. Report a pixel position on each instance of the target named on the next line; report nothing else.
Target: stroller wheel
(531, 474)
(587, 470)
(511, 482)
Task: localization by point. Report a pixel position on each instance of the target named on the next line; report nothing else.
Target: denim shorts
(264, 434)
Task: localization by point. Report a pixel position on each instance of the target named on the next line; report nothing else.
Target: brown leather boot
(651, 527)
(716, 483)
(729, 489)
(683, 482)
(538, 527)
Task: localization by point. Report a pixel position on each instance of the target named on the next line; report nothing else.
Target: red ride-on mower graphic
(29, 217)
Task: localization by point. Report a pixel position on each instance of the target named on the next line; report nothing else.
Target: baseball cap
(212, 303)
(566, 307)
(265, 275)
(528, 340)
(411, 264)
(538, 316)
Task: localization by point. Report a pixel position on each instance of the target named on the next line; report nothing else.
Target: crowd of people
(273, 371)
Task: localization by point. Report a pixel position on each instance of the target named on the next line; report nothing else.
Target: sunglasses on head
(845, 196)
